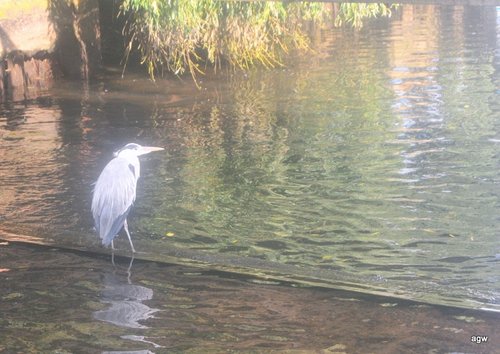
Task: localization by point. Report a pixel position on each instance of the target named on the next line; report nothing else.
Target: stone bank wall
(41, 40)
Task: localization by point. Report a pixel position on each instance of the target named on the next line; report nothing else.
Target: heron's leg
(125, 226)
(112, 245)
(129, 269)
(113, 257)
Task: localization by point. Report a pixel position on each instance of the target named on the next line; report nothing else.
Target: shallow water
(370, 165)
(67, 302)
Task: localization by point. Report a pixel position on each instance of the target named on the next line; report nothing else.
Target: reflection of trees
(274, 145)
(291, 164)
(230, 148)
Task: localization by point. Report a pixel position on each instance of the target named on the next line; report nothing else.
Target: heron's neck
(132, 159)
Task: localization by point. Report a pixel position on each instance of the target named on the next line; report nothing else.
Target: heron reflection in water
(124, 302)
(115, 192)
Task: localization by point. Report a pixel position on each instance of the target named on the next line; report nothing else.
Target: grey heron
(115, 191)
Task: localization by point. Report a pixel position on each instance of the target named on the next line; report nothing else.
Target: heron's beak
(147, 149)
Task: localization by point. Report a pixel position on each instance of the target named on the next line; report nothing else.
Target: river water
(370, 164)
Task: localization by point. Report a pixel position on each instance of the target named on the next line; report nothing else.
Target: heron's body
(115, 192)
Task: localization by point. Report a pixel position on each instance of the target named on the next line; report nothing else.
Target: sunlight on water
(373, 162)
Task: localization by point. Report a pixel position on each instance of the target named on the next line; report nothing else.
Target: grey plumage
(115, 192)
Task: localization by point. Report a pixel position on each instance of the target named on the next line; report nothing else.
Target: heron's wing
(114, 194)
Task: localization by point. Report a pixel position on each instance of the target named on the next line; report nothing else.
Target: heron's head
(136, 150)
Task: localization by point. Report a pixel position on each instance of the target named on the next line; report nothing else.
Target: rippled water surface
(54, 301)
(371, 164)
